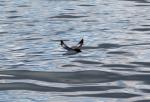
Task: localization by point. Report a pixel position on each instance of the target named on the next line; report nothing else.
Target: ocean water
(114, 64)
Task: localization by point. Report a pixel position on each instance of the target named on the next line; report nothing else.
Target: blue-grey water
(114, 65)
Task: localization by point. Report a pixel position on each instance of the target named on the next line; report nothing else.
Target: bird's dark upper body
(76, 48)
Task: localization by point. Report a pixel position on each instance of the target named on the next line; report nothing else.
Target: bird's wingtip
(81, 40)
(61, 42)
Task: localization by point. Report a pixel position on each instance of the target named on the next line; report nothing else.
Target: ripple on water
(3, 32)
(12, 11)
(78, 77)
(70, 9)
(87, 62)
(142, 5)
(118, 52)
(68, 16)
(145, 25)
(89, 21)
(35, 87)
(23, 6)
(69, 65)
(139, 1)
(108, 95)
(147, 100)
(86, 5)
(66, 77)
(30, 39)
(13, 17)
(141, 29)
(2, 4)
(119, 65)
(142, 63)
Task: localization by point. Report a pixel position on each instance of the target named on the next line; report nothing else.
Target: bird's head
(77, 50)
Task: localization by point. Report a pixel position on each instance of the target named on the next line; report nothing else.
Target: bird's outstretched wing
(64, 45)
(79, 45)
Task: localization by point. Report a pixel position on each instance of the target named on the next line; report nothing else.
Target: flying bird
(76, 48)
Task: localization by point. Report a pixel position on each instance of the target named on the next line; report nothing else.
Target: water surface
(114, 62)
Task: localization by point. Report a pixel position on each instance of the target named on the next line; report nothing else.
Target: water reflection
(70, 53)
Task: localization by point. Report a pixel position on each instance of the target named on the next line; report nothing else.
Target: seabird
(76, 48)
